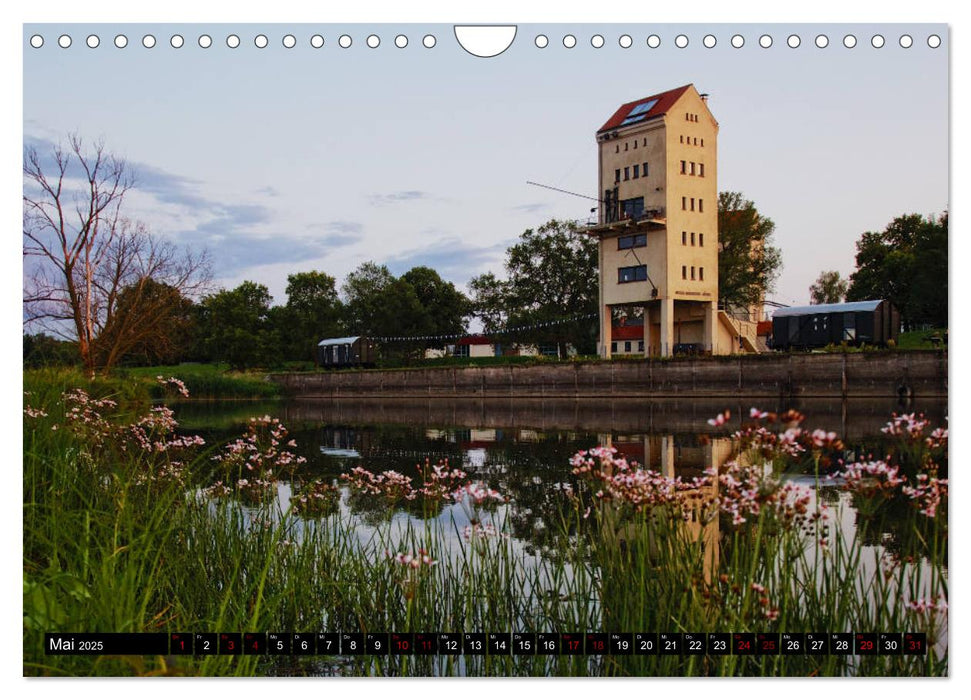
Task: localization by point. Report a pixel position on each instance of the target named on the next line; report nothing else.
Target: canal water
(521, 448)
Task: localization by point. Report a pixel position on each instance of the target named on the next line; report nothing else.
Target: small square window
(626, 346)
(613, 347)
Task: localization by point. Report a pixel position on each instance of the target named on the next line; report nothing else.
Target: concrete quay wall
(901, 374)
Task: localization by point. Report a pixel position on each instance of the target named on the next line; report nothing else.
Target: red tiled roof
(627, 333)
(665, 100)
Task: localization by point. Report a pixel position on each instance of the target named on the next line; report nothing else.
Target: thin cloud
(451, 257)
(531, 208)
(380, 200)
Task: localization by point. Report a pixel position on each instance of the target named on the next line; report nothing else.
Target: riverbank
(901, 374)
(139, 384)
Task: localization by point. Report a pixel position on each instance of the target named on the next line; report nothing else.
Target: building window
(687, 117)
(684, 167)
(701, 205)
(682, 138)
(701, 274)
(626, 146)
(626, 346)
(701, 239)
(640, 346)
(632, 208)
(617, 148)
(637, 171)
(702, 142)
(684, 203)
(644, 169)
(645, 142)
(627, 173)
(635, 144)
(634, 273)
(696, 140)
(638, 240)
(692, 238)
(692, 168)
(692, 272)
(692, 204)
(461, 351)
(684, 238)
(617, 175)
(701, 169)
(613, 347)
(684, 272)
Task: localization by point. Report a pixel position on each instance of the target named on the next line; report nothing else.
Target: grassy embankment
(129, 528)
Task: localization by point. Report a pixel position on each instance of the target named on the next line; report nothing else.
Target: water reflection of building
(687, 457)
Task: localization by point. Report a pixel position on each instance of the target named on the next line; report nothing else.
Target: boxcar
(854, 323)
(355, 351)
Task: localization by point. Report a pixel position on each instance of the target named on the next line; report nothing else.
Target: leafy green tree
(382, 306)
(444, 308)
(42, 350)
(748, 263)
(551, 276)
(364, 290)
(829, 288)
(235, 326)
(905, 263)
(313, 311)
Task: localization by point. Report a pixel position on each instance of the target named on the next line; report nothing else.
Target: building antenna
(557, 189)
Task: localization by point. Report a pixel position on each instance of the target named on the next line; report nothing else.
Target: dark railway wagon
(854, 323)
(355, 351)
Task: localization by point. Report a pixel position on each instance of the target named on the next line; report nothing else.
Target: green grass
(204, 381)
(105, 552)
(921, 340)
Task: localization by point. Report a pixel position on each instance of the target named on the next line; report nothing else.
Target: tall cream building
(658, 230)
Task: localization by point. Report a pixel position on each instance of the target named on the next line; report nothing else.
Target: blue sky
(282, 160)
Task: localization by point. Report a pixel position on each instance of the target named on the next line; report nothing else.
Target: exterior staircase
(745, 331)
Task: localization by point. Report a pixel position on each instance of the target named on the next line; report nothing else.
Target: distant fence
(901, 374)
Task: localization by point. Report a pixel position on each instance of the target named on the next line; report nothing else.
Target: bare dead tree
(83, 258)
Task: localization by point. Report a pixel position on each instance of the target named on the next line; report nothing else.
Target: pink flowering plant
(316, 499)
(253, 464)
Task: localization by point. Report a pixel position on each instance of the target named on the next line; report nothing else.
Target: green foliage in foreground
(111, 543)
